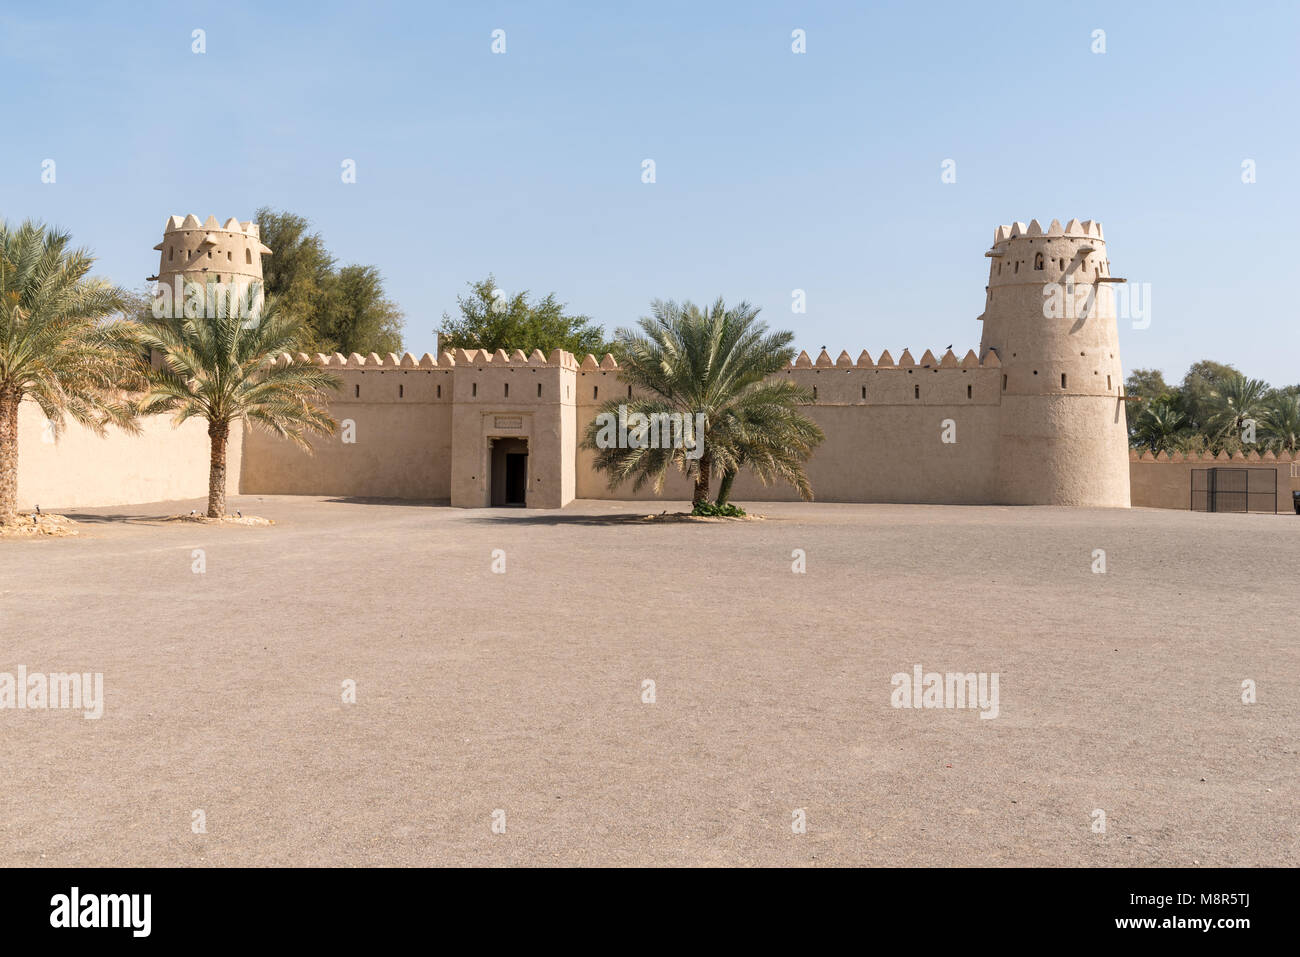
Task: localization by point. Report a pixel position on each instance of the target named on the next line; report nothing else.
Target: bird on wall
(950, 345)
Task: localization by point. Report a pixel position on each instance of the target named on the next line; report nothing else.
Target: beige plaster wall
(81, 469)
(401, 422)
(885, 448)
(1166, 482)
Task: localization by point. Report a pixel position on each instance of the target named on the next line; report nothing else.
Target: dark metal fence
(1234, 490)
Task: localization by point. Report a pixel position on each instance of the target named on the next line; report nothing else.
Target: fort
(1035, 417)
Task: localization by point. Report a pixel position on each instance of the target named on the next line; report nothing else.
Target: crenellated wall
(1165, 481)
(1037, 416)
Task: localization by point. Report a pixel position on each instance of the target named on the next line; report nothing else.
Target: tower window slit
(1004, 383)
(1062, 380)
(968, 395)
(401, 390)
(473, 389)
(507, 390)
(356, 391)
(595, 391)
(439, 392)
(916, 391)
(539, 390)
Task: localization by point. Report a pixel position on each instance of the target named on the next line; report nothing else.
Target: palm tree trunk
(218, 432)
(701, 495)
(9, 402)
(724, 488)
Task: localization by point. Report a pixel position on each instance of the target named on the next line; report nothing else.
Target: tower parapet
(210, 251)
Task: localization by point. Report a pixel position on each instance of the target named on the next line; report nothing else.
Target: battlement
(1269, 457)
(232, 225)
(1072, 230)
(905, 361)
(448, 360)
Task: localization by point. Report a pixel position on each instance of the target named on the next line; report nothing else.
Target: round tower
(203, 252)
(1050, 318)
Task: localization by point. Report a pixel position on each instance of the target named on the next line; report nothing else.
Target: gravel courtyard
(522, 691)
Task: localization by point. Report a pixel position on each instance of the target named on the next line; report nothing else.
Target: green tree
(1233, 401)
(1159, 426)
(490, 319)
(1147, 385)
(60, 343)
(228, 368)
(1281, 420)
(715, 363)
(340, 309)
(1199, 385)
(358, 318)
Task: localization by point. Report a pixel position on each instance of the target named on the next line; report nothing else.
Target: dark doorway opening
(510, 473)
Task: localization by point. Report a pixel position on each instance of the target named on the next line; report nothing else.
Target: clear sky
(775, 171)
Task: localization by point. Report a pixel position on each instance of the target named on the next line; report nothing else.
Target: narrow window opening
(864, 392)
(356, 391)
(507, 390)
(814, 393)
(209, 253)
(539, 390)
(171, 253)
(401, 391)
(595, 391)
(629, 392)
(1062, 380)
(229, 254)
(1004, 383)
(1017, 269)
(473, 389)
(916, 391)
(1038, 261)
(248, 256)
(1107, 383)
(968, 392)
(439, 392)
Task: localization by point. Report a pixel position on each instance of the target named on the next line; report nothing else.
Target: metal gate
(1234, 490)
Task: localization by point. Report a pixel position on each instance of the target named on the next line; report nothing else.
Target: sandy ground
(522, 691)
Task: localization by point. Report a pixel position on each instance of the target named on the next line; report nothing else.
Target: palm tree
(1282, 421)
(228, 367)
(711, 366)
(58, 343)
(1235, 400)
(1158, 426)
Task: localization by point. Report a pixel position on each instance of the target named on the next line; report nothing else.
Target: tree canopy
(1215, 408)
(491, 319)
(340, 309)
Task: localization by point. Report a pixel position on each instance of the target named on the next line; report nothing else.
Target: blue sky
(775, 171)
